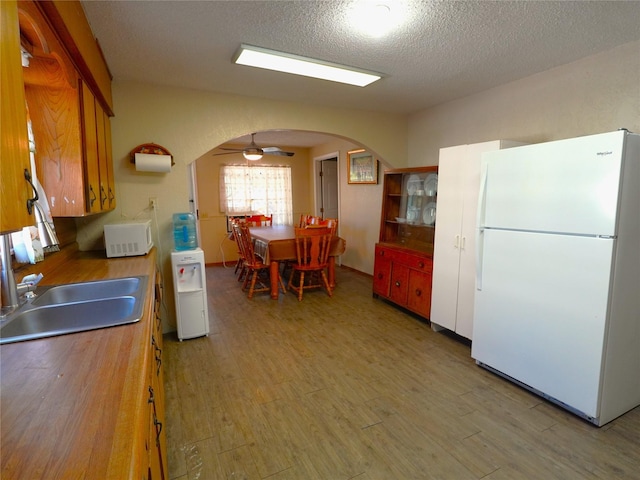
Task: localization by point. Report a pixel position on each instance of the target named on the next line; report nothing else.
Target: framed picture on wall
(362, 167)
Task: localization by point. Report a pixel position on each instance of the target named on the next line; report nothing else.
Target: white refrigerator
(557, 304)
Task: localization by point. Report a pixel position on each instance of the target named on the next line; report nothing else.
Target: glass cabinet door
(409, 208)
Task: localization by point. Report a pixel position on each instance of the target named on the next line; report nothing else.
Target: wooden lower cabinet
(156, 441)
(403, 276)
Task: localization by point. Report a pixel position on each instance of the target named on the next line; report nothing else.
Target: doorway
(326, 185)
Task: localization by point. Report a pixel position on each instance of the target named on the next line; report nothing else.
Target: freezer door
(568, 186)
(541, 314)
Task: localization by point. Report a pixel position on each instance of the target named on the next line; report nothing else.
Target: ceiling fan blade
(252, 148)
(280, 153)
(227, 153)
(276, 151)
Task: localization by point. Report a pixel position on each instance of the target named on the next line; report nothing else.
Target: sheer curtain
(253, 189)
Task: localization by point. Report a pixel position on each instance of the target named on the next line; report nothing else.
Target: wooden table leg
(332, 272)
(274, 271)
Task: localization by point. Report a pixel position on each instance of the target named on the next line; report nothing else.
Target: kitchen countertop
(75, 406)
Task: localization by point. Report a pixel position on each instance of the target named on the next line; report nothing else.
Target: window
(257, 189)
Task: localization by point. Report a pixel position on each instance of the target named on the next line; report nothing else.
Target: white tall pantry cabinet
(454, 270)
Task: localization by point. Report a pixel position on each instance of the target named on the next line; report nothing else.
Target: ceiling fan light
(252, 154)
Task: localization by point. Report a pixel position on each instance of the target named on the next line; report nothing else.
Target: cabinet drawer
(417, 262)
(412, 260)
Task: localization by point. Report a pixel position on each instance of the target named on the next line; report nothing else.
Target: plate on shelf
(429, 214)
(413, 184)
(431, 185)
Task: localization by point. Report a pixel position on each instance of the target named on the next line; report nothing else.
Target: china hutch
(404, 254)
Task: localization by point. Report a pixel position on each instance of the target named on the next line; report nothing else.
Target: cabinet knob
(380, 276)
(397, 283)
(382, 253)
(418, 292)
(421, 264)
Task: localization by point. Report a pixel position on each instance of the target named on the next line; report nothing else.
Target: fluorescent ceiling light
(308, 67)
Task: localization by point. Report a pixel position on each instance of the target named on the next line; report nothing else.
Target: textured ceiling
(445, 50)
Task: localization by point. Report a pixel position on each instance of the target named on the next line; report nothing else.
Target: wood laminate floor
(354, 388)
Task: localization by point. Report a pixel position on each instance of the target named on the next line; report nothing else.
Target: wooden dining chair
(306, 220)
(312, 255)
(240, 262)
(254, 265)
(331, 223)
(260, 220)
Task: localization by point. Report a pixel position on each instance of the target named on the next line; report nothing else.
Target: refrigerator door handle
(479, 254)
(480, 223)
(456, 244)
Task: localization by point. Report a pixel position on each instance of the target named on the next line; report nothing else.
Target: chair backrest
(234, 232)
(260, 220)
(306, 220)
(312, 247)
(331, 223)
(245, 243)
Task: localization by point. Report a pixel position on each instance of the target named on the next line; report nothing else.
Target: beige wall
(597, 94)
(360, 207)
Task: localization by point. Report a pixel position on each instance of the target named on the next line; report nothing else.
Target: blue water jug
(184, 231)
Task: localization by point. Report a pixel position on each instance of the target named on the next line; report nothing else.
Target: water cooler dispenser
(190, 289)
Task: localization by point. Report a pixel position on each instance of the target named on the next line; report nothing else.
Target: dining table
(275, 244)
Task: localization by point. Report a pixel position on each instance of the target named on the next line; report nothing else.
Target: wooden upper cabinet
(71, 26)
(70, 121)
(14, 148)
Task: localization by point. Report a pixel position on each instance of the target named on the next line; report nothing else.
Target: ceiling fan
(254, 152)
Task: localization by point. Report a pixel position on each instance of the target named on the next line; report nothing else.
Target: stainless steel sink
(80, 292)
(76, 307)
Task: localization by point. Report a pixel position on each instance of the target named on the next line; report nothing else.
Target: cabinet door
(90, 150)
(14, 150)
(101, 147)
(448, 237)
(419, 293)
(467, 277)
(399, 283)
(382, 272)
(111, 188)
(191, 309)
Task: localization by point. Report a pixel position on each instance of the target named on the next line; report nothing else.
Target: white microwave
(128, 239)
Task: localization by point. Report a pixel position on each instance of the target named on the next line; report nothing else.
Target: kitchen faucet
(12, 291)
